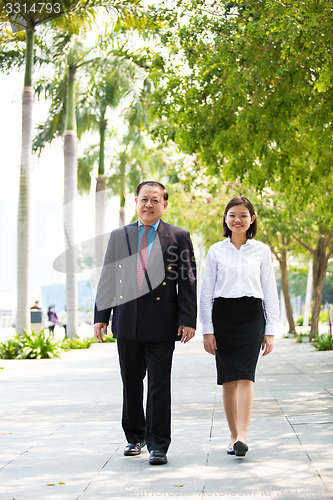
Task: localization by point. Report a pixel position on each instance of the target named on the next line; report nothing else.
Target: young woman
(239, 310)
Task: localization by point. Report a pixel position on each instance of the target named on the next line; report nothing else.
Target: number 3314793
(34, 7)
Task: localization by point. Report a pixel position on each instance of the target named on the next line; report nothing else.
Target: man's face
(150, 204)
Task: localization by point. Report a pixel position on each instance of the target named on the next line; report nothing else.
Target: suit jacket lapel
(164, 236)
(132, 241)
(155, 269)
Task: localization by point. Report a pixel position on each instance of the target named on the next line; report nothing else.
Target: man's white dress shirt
(232, 273)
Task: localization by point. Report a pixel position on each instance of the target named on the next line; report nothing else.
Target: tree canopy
(247, 86)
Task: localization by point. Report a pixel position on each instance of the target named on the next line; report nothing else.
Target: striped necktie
(142, 258)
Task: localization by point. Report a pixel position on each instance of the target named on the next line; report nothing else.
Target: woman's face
(238, 219)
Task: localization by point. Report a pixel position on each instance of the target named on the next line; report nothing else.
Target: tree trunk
(122, 190)
(308, 296)
(23, 216)
(100, 213)
(70, 187)
(285, 290)
(100, 199)
(320, 263)
(122, 216)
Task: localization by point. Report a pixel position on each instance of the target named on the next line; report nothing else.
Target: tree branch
(303, 244)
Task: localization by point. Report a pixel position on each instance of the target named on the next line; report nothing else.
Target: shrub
(42, 345)
(323, 342)
(106, 338)
(30, 346)
(11, 348)
(323, 316)
(301, 337)
(76, 343)
(39, 346)
(300, 319)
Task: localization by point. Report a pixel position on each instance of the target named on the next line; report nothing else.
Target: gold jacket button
(169, 268)
(121, 297)
(158, 298)
(164, 283)
(119, 266)
(120, 281)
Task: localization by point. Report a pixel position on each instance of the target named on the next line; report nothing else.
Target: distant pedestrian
(36, 305)
(53, 319)
(239, 310)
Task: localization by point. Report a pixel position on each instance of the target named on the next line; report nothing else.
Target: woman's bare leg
(245, 396)
(238, 404)
(230, 408)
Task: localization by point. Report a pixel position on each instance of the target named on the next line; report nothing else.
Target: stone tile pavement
(61, 438)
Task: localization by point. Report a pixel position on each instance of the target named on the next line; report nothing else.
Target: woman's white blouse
(232, 273)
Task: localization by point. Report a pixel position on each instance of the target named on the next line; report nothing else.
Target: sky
(47, 179)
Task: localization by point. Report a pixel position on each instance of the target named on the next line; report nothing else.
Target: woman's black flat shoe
(240, 449)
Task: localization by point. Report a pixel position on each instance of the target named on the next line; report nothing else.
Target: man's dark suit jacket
(168, 296)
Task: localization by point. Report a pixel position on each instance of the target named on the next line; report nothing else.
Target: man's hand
(209, 341)
(267, 344)
(186, 332)
(100, 328)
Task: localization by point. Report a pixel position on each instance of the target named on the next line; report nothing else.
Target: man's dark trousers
(135, 359)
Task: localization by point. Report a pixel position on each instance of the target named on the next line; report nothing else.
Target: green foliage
(298, 276)
(76, 343)
(245, 88)
(64, 12)
(323, 342)
(328, 285)
(11, 57)
(301, 337)
(39, 346)
(11, 348)
(85, 167)
(323, 318)
(43, 345)
(300, 320)
(106, 338)
(30, 346)
(246, 91)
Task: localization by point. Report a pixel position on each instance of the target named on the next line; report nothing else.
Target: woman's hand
(267, 344)
(209, 341)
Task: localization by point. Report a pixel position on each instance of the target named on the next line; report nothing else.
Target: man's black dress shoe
(133, 449)
(240, 448)
(157, 457)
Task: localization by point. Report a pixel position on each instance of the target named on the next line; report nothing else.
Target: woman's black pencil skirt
(239, 328)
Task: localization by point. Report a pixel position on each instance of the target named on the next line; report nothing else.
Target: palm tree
(26, 20)
(70, 56)
(135, 162)
(27, 24)
(111, 87)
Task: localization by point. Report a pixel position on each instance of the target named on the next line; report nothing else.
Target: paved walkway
(61, 439)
